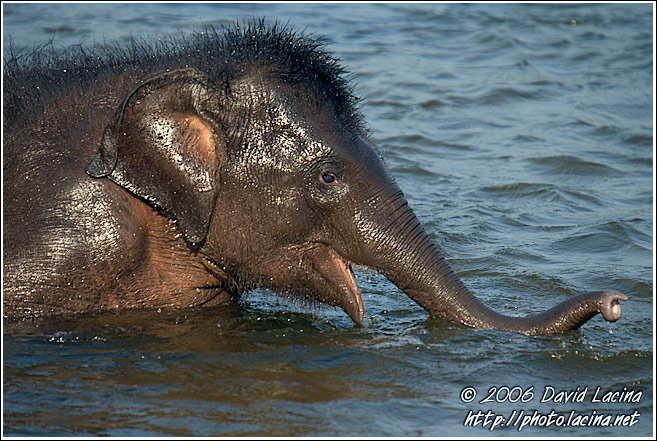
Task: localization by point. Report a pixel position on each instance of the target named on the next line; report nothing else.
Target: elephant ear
(164, 146)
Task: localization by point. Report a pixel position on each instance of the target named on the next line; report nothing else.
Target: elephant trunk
(407, 257)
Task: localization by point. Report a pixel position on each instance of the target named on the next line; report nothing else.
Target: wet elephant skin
(187, 174)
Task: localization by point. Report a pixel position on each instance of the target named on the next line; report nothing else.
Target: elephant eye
(329, 178)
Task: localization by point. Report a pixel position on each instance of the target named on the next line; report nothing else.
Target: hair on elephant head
(252, 142)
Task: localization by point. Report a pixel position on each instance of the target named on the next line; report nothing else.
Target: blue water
(522, 136)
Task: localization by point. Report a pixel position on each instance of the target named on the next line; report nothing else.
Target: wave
(572, 165)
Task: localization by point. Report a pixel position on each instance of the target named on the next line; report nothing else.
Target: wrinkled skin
(192, 180)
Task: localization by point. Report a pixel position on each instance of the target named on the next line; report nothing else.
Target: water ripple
(572, 165)
(607, 237)
(542, 192)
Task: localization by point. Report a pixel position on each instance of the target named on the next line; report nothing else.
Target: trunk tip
(610, 307)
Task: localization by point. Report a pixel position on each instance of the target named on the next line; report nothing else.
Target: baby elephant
(185, 174)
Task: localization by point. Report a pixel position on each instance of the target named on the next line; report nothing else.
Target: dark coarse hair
(31, 77)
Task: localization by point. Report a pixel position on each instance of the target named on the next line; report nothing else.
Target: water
(522, 136)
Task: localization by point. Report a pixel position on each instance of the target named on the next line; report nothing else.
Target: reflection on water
(276, 373)
(526, 151)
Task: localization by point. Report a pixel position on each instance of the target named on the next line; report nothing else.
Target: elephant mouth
(342, 290)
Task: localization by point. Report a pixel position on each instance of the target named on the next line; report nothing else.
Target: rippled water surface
(522, 136)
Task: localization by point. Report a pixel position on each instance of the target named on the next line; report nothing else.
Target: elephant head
(262, 159)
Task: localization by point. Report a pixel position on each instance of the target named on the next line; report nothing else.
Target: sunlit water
(522, 136)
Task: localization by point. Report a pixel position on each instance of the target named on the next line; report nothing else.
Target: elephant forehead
(281, 127)
(296, 140)
(283, 142)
